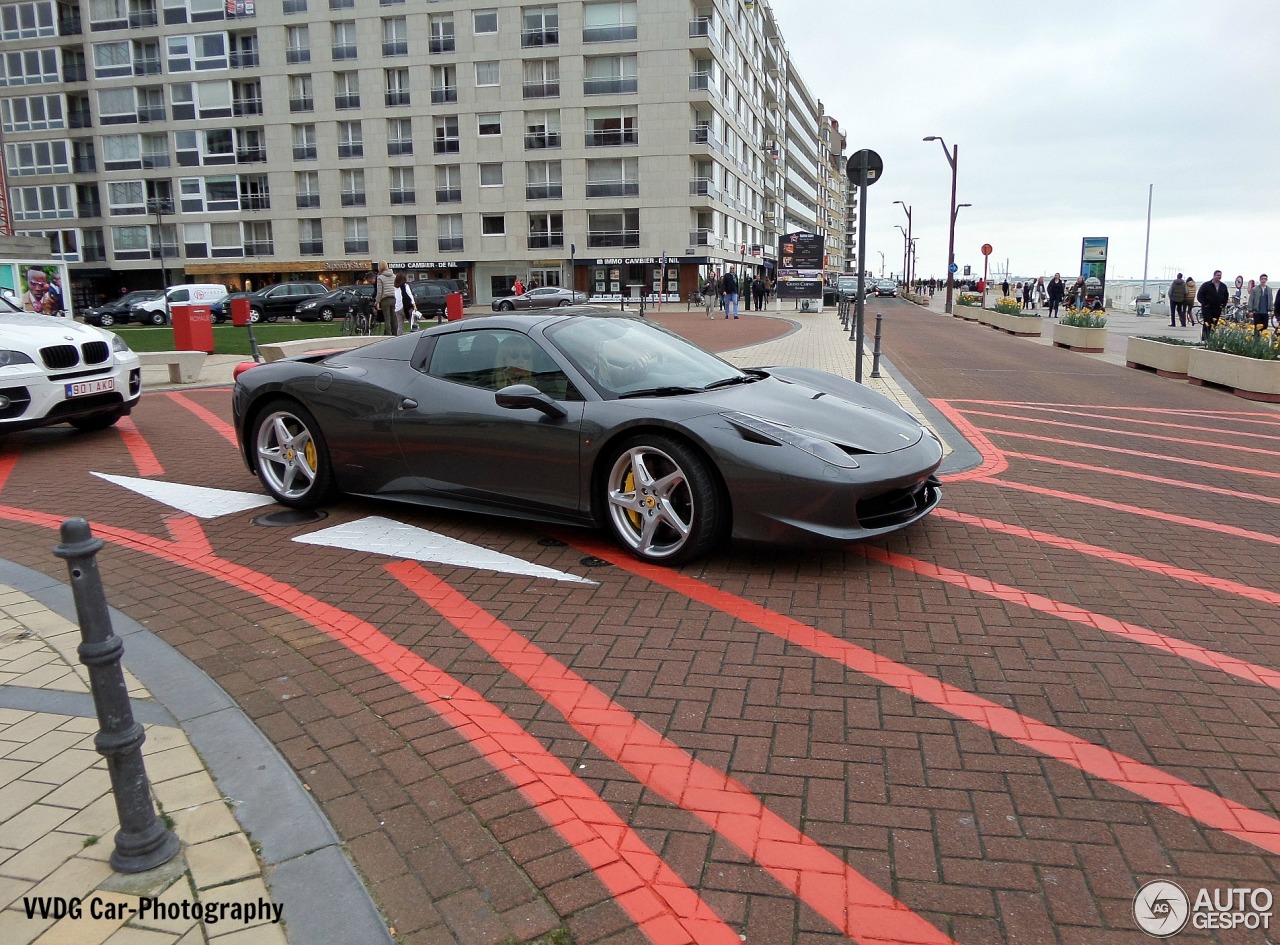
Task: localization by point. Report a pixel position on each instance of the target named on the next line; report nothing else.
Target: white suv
(56, 370)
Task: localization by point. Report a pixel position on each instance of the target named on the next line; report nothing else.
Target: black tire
(661, 501)
(106, 320)
(255, 315)
(156, 318)
(326, 314)
(291, 455)
(505, 307)
(562, 303)
(99, 421)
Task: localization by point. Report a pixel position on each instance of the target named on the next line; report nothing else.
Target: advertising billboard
(800, 258)
(1093, 266)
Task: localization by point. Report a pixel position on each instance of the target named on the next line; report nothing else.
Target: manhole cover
(550, 542)
(591, 561)
(287, 517)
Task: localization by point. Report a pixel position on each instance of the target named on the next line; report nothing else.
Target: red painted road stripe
(1116, 557)
(823, 881)
(1158, 480)
(7, 462)
(1244, 414)
(1144, 436)
(1220, 467)
(662, 905)
(993, 461)
(1142, 780)
(1199, 523)
(208, 416)
(143, 458)
(1091, 415)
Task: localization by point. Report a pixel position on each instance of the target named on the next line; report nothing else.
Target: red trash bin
(192, 328)
(453, 306)
(240, 313)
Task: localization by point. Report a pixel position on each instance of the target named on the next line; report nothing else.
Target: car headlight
(310, 304)
(118, 345)
(8, 358)
(777, 433)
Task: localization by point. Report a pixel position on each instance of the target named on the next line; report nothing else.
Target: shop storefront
(239, 275)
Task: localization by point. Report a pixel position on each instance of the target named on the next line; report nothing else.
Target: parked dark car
(335, 304)
(431, 296)
(589, 420)
(273, 301)
(117, 312)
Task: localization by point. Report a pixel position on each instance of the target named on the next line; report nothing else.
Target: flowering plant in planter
(968, 298)
(1008, 306)
(1244, 341)
(1083, 319)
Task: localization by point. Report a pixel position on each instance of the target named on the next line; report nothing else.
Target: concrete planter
(1165, 359)
(1086, 340)
(970, 313)
(1250, 378)
(1021, 325)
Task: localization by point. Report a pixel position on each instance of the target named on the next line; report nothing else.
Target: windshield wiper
(660, 392)
(727, 381)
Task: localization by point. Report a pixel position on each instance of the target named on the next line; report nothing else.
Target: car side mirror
(526, 396)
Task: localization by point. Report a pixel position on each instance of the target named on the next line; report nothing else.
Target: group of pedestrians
(1213, 297)
(725, 290)
(393, 298)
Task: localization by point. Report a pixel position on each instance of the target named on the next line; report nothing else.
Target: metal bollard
(875, 351)
(143, 842)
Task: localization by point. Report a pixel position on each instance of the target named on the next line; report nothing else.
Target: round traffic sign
(864, 159)
(952, 268)
(986, 249)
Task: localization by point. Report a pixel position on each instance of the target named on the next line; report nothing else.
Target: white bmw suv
(56, 370)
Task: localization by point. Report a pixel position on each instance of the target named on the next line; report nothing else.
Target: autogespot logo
(1161, 908)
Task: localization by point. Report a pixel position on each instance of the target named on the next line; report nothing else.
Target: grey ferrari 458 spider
(589, 419)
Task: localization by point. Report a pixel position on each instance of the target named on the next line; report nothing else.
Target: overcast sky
(1064, 114)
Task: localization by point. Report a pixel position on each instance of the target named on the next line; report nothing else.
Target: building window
(543, 181)
(540, 26)
(444, 84)
(542, 78)
(449, 226)
(257, 238)
(491, 175)
(441, 26)
(613, 177)
(304, 142)
(546, 230)
(609, 75)
(346, 90)
(487, 73)
(344, 40)
(613, 229)
(350, 139)
(612, 126)
(356, 235)
(402, 188)
(446, 135)
(112, 60)
(489, 123)
(397, 87)
(609, 22)
(448, 183)
(311, 237)
(399, 137)
(352, 187)
(301, 96)
(307, 189)
(404, 234)
(541, 129)
(493, 225)
(395, 36)
(297, 44)
(484, 21)
(37, 113)
(126, 198)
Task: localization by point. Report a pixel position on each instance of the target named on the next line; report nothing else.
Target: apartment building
(581, 142)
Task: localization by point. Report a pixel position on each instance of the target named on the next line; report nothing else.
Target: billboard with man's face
(38, 287)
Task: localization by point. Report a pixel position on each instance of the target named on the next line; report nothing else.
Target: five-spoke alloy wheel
(291, 455)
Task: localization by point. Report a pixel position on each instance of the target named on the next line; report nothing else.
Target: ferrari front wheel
(291, 455)
(663, 503)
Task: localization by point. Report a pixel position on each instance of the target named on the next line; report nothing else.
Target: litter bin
(1143, 305)
(453, 306)
(240, 312)
(192, 328)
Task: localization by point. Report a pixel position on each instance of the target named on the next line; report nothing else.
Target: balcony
(355, 246)
(448, 195)
(311, 248)
(69, 24)
(307, 201)
(260, 248)
(352, 198)
(608, 34)
(542, 89)
(544, 191)
(544, 139)
(449, 244)
(546, 240)
(346, 101)
(399, 148)
(700, 238)
(255, 201)
(79, 118)
(403, 197)
(297, 54)
(89, 208)
(244, 59)
(703, 187)
(84, 164)
(613, 188)
(611, 85)
(74, 72)
(94, 253)
(443, 94)
(250, 155)
(164, 250)
(247, 106)
(440, 44)
(405, 244)
(395, 47)
(612, 137)
(351, 150)
(150, 113)
(700, 134)
(157, 159)
(146, 65)
(304, 152)
(343, 51)
(700, 82)
(700, 28)
(141, 18)
(609, 239)
(445, 146)
(396, 98)
(542, 37)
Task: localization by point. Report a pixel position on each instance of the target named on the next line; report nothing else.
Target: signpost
(863, 169)
(986, 256)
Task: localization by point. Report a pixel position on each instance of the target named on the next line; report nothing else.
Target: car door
(459, 444)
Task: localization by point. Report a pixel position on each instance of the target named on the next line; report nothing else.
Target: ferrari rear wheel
(663, 503)
(505, 306)
(292, 458)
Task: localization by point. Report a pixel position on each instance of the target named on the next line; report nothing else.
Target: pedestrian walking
(409, 304)
(1212, 297)
(1260, 299)
(711, 291)
(757, 292)
(1189, 301)
(384, 293)
(729, 290)
(1004, 287)
(1177, 302)
(517, 287)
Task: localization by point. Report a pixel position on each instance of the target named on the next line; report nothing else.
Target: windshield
(628, 356)
(7, 304)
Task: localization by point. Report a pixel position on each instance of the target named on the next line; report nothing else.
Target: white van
(201, 293)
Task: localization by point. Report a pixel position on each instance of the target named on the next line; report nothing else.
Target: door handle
(408, 403)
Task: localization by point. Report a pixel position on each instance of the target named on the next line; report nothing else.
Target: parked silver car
(544, 297)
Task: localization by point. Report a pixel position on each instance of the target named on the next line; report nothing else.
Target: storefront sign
(345, 265)
(432, 264)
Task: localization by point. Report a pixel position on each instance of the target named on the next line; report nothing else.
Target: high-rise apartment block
(575, 142)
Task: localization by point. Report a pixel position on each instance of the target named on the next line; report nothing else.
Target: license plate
(84, 388)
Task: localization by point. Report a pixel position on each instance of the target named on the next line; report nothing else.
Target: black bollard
(875, 351)
(143, 842)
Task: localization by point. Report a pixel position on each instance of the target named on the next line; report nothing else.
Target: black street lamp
(906, 253)
(907, 210)
(162, 207)
(952, 157)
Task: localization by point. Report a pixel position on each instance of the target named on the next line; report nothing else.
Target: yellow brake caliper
(629, 486)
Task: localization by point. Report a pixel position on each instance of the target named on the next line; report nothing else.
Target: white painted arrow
(200, 501)
(394, 539)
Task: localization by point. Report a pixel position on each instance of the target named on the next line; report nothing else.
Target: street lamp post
(162, 207)
(907, 211)
(952, 157)
(906, 253)
(881, 252)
